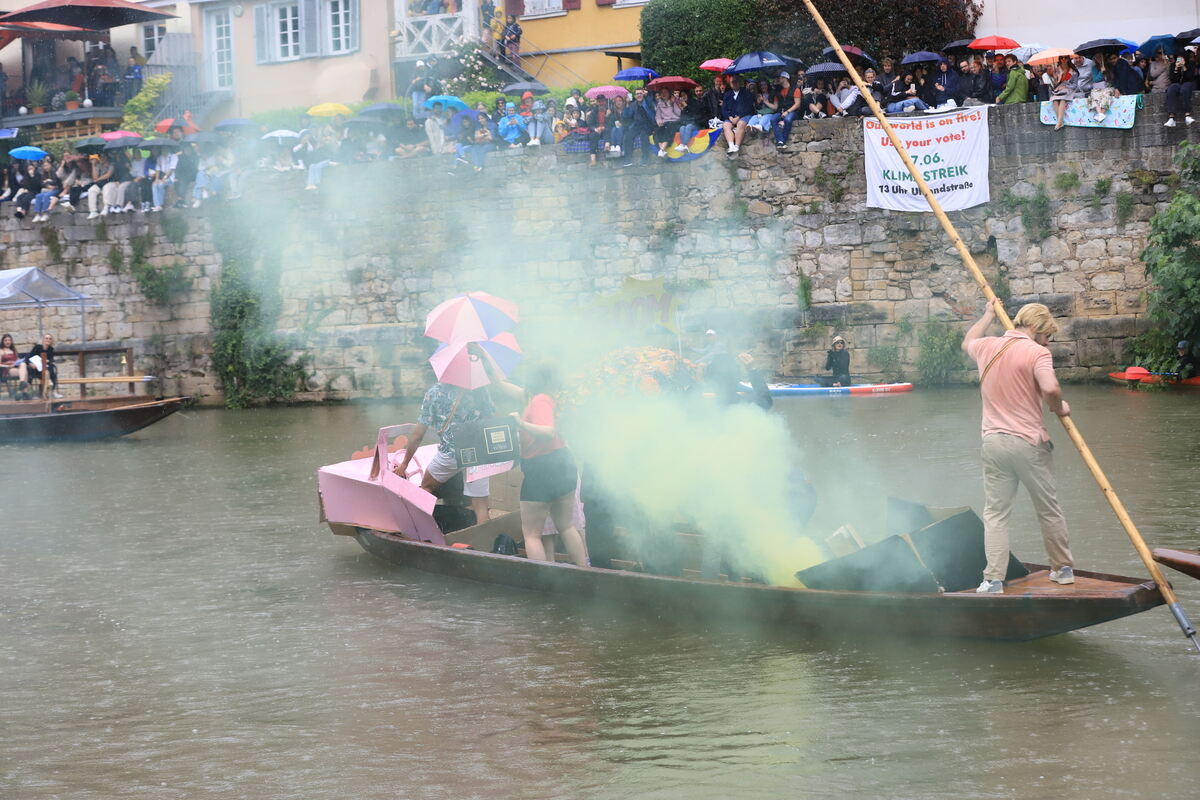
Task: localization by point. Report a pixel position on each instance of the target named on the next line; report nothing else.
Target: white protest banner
(951, 150)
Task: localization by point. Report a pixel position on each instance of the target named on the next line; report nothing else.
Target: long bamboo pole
(1076, 437)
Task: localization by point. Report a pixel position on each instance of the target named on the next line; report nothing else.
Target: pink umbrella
(458, 364)
(108, 137)
(473, 316)
(716, 64)
(607, 92)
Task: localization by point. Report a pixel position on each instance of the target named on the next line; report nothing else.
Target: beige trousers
(1009, 461)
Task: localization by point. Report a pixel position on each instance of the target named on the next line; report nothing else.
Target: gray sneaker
(990, 587)
(1065, 576)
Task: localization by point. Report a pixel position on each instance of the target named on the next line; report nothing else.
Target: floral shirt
(439, 401)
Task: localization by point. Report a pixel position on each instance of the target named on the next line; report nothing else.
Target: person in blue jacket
(737, 106)
(511, 126)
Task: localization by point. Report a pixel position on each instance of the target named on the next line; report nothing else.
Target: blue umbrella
(636, 74)
(1130, 45)
(234, 122)
(753, 62)
(28, 153)
(455, 124)
(920, 57)
(447, 101)
(1164, 41)
(383, 109)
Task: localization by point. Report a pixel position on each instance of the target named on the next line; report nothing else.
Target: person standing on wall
(1016, 373)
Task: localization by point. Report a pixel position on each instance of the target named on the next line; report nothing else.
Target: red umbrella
(108, 137)
(96, 14)
(994, 43)
(177, 122)
(672, 83)
(716, 64)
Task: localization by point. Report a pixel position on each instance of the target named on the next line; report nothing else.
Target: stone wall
(367, 255)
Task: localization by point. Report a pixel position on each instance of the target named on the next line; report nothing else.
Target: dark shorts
(548, 477)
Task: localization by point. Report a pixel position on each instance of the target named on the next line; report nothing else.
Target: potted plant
(36, 95)
(71, 100)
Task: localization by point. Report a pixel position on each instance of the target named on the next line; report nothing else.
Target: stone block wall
(366, 256)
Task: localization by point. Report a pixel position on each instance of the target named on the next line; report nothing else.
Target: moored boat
(81, 420)
(1185, 561)
(1133, 376)
(854, 390)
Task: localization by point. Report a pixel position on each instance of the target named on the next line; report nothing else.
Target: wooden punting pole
(1085, 452)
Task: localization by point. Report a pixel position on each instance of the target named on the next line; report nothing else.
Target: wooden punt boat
(1185, 561)
(1031, 606)
(83, 419)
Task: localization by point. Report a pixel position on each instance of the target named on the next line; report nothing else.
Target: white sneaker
(1189, 119)
(619, 152)
(1170, 123)
(663, 153)
(735, 148)
(57, 395)
(535, 142)
(196, 202)
(990, 587)
(93, 215)
(681, 147)
(156, 208)
(128, 207)
(1064, 576)
(732, 148)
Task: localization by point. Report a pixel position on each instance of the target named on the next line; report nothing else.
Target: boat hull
(866, 389)
(66, 425)
(1134, 378)
(1185, 561)
(1031, 608)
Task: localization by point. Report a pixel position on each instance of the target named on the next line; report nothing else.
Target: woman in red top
(8, 358)
(550, 475)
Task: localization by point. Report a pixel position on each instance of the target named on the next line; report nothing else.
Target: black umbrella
(161, 143)
(383, 110)
(1186, 37)
(96, 14)
(852, 52)
(756, 61)
(826, 69)
(958, 46)
(1097, 46)
(122, 142)
(202, 137)
(521, 87)
(363, 122)
(920, 57)
(90, 146)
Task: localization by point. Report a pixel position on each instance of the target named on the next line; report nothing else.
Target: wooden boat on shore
(81, 419)
(944, 604)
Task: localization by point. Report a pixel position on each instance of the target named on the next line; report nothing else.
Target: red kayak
(1135, 375)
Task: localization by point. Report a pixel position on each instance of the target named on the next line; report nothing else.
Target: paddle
(1085, 452)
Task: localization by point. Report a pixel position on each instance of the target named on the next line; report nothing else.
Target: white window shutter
(310, 28)
(262, 33)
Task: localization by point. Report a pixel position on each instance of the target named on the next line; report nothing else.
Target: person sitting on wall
(837, 361)
(13, 370)
(902, 96)
(736, 108)
(40, 360)
(511, 127)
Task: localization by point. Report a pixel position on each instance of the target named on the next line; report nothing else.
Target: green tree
(890, 28)
(677, 35)
(1172, 254)
(139, 111)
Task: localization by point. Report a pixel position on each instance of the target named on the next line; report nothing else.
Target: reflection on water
(177, 625)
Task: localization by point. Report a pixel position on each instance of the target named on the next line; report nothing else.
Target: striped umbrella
(458, 363)
(472, 316)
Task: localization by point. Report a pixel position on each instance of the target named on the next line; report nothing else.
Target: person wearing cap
(1016, 373)
(791, 107)
(419, 90)
(713, 347)
(837, 361)
(1185, 367)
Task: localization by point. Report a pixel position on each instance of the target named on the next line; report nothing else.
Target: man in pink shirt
(1016, 372)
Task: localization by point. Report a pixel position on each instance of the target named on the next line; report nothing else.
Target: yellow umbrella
(330, 110)
(1051, 55)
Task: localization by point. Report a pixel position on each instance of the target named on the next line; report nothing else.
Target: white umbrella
(282, 133)
(1025, 52)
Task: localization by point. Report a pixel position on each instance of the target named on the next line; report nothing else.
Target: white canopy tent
(29, 287)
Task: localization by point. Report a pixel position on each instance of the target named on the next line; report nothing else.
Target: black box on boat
(486, 441)
(947, 554)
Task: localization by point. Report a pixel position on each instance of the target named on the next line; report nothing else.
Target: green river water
(176, 624)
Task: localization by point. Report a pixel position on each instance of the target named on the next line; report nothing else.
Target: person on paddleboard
(837, 361)
(1016, 373)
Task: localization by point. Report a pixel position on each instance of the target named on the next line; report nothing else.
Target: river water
(177, 625)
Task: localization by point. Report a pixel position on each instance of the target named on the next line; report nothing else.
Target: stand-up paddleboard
(856, 390)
